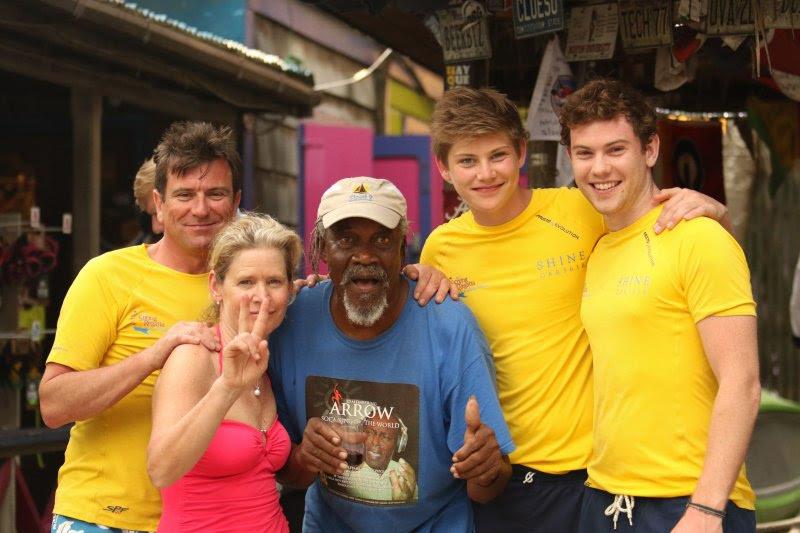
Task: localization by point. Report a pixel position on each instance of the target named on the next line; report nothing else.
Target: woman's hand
(245, 358)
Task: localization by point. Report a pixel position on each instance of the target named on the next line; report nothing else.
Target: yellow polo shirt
(654, 388)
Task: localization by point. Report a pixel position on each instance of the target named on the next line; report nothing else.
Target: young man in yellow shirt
(518, 257)
(671, 322)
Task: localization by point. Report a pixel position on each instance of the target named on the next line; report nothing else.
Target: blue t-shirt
(408, 386)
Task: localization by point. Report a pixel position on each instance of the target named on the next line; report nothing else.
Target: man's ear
(443, 170)
(159, 203)
(237, 198)
(651, 151)
(523, 152)
(323, 249)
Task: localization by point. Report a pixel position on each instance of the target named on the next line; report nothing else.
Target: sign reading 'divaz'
(535, 17)
(729, 17)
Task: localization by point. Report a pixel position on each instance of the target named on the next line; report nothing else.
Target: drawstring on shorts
(621, 504)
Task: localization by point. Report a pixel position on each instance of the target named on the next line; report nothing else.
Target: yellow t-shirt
(654, 388)
(119, 304)
(523, 281)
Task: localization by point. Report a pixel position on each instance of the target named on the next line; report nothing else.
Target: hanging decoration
(738, 172)
(553, 84)
(776, 122)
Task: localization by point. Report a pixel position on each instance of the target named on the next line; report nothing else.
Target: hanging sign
(462, 39)
(535, 17)
(782, 14)
(645, 24)
(461, 75)
(729, 17)
(592, 32)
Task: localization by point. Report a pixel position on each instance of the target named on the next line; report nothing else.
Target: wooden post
(87, 114)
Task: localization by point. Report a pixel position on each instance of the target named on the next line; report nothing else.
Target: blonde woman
(216, 443)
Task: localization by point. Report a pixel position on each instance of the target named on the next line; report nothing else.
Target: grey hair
(318, 238)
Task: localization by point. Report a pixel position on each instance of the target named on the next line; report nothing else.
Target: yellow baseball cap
(362, 197)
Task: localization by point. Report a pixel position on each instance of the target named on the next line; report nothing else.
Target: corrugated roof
(258, 56)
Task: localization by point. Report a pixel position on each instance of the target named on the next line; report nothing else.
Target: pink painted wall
(404, 173)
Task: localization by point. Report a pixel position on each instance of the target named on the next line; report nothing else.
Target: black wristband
(706, 509)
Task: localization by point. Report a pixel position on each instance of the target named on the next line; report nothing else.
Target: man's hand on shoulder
(180, 333)
(686, 204)
(431, 283)
(309, 281)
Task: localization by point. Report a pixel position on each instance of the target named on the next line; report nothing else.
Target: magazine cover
(379, 427)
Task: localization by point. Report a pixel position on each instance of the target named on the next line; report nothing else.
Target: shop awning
(146, 58)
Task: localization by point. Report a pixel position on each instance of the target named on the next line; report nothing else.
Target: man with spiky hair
(122, 317)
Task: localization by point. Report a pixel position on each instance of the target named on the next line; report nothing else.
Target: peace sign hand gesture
(245, 358)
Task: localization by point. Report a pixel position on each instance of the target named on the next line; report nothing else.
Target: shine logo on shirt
(558, 265)
(633, 285)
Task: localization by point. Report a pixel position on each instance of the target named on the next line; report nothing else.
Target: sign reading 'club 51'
(535, 17)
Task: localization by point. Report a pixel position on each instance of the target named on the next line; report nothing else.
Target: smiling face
(381, 442)
(196, 205)
(364, 259)
(485, 173)
(613, 170)
(259, 273)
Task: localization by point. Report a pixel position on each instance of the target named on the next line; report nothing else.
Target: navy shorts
(653, 515)
(534, 501)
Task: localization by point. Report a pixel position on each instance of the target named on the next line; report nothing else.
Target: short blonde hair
(144, 183)
(250, 231)
(467, 113)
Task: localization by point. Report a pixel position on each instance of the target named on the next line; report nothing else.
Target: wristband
(705, 509)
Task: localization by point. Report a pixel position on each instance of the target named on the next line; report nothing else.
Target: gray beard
(366, 310)
(366, 313)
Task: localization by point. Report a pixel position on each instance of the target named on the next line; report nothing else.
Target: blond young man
(519, 258)
(671, 322)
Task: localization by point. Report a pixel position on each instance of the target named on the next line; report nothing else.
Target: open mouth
(365, 278)
(366, 284)
(605, 185)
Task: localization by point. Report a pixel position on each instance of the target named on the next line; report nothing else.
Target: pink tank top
(232, 486)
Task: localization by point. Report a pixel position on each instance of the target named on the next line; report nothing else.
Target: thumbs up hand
(479, 460)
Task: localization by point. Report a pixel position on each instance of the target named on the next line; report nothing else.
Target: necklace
(257, 390)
